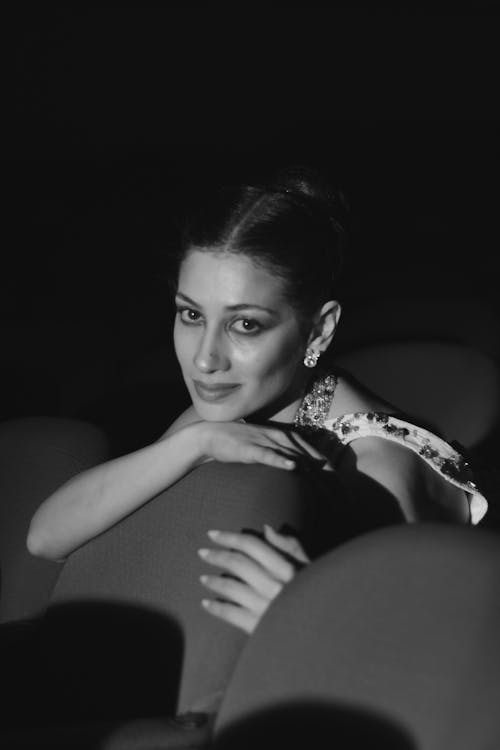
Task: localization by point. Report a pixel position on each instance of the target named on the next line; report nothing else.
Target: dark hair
(294, 226)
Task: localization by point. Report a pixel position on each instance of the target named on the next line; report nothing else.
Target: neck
(284, 409)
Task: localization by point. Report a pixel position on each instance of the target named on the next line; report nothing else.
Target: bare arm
(96, 499)
(371, 466)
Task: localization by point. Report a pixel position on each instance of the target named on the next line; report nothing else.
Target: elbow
(35, 543)
(39, 546)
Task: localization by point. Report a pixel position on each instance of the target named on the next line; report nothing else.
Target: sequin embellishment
(316, 403)
(435, 451)
(312, 418)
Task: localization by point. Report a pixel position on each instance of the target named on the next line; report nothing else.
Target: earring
(311, 358)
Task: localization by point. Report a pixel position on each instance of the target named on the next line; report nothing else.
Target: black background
(114, 119)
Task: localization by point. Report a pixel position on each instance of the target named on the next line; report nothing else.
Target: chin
(217, 412)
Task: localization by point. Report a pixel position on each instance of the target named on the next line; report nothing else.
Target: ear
(325, 325)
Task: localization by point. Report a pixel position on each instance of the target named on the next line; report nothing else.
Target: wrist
(197, 441)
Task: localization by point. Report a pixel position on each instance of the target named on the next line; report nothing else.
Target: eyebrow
(241, 306)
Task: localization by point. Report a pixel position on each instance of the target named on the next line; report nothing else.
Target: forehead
(228, 279)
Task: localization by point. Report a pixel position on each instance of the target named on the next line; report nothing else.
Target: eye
(188, 315)
(247, 325)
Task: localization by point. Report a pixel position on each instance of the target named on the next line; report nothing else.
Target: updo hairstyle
(294, 227)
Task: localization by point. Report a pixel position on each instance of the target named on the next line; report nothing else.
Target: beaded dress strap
(333, 434)
(435, 451)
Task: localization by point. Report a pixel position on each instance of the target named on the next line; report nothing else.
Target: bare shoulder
(422, 493)
(352, 396)
(391, 463)
(189, 416)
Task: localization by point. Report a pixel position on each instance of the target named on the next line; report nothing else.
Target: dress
(441, 456)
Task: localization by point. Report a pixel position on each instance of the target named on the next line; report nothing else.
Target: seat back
(131, 598)
(37, 455)
(391, 639)
(452, 386)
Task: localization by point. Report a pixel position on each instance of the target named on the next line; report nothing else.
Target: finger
(241, 566)
(268, 456)
(282, 441)
(294, 442)
(314, 453)
(296, 445)
(258, 550)
(232, 614)
(288, 544)
(235, 592)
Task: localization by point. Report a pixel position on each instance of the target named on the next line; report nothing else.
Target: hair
(293, 226)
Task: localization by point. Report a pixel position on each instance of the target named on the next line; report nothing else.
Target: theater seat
(390, 641)
(37, 455)
(355, 607)
(452, 386)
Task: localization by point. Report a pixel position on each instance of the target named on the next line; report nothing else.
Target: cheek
(177, 340)
(277, 359)
(182, 345)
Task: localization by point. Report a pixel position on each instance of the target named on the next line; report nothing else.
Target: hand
(241, 442)
(261, 569)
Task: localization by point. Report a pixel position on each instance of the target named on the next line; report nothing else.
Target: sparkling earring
(311, 358)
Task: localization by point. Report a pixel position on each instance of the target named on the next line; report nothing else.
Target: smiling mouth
(216, 391)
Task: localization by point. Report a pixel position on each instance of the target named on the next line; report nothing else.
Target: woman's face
(237, 340)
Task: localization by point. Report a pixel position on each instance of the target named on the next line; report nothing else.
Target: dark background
(114, 119)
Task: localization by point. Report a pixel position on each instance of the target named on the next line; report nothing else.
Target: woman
(256, 310)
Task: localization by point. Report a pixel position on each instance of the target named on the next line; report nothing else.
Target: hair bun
(311, 187)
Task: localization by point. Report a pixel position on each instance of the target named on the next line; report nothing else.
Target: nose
(210, 355)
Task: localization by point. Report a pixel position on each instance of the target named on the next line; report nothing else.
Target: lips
(214, 391)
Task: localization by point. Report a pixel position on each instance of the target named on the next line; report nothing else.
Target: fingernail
(213, 534)
(204, 579)
(203, 552)
(289, 464)
(268, 528)
(206, 603)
